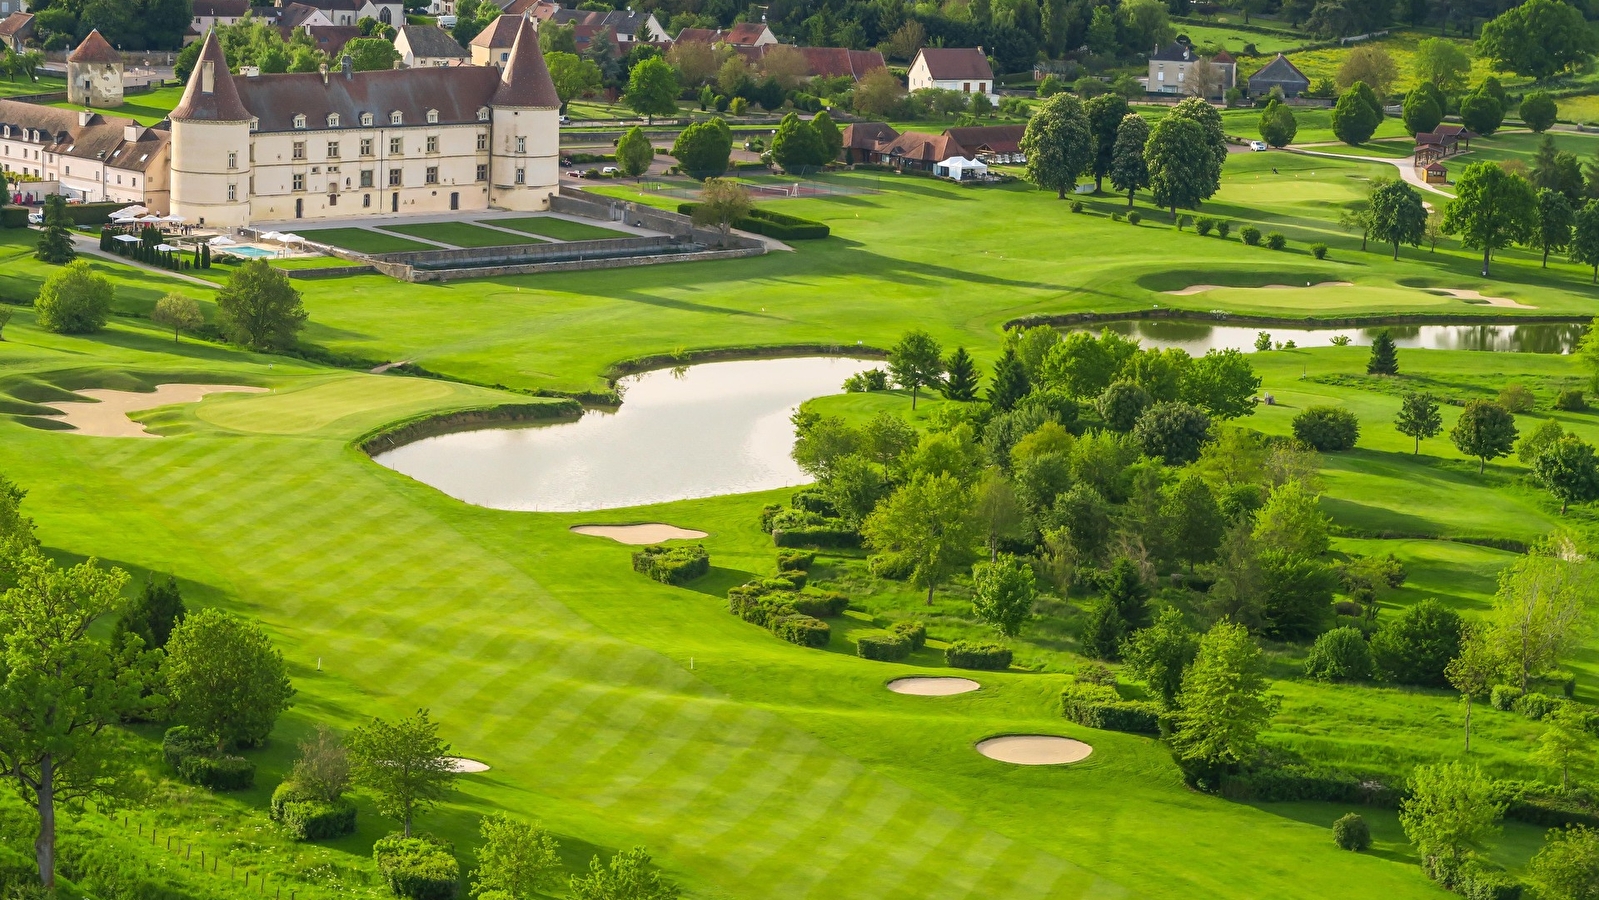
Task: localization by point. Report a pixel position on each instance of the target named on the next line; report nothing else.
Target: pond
(1198, 337)
(700, 431)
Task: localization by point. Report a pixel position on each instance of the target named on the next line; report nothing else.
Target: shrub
(1076, 206)
(1204, 225)
(419, 867)
(13, 216)
(218, 772)
(882, 646)
(790, 581)
(822, 606)
(182, 741)
(1351, 832)
(813, 500)
(1275, 240)
(1503, 697)
(1517, 398)
(795, 560)
(834, 534)
(1297, 782)
(912, 631)
(1327, 428)
(1415, 647)
(893, 566)
(755, 603)
(1559, 679)
(285, 793)
(1223, 228)
(1339, 655)
(769, 514)
(1537, 706)
(1475, 882)
(1250, 234)
(314, 820)
(1571, 401)
(806, 631)
(778, 225)
(1099, 706)
(974, 655)
(1134, 217)
(1318, 250)
(672, 565)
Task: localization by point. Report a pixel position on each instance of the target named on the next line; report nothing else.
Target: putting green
(308, 408)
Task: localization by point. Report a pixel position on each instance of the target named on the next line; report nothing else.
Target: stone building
(93, 157)
(94, 73)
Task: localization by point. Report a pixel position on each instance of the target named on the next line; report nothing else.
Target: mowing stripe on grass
(559, 229)
(363, 240)
(462, 234)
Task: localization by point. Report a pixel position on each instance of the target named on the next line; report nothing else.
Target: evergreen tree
(1538, 110)
(1103, 630)
(1124, 586)
(56, 245)
(1384, 356)
(1194, 520)
(1353, 119)
(152, 617)
(1420, 112)
(1419, 418)
(1555, 221)
(960, 379)
(1128, 171)
(1010, 382)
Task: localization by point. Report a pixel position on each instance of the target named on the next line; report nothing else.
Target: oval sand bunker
(1034, 749)
(924, 686)
(466, 766)
(647, 533)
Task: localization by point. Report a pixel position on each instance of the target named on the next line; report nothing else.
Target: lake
(1198, 337)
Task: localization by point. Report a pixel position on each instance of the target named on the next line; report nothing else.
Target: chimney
(131, 132)
(323, 70)
(347, 64)
(84, 116)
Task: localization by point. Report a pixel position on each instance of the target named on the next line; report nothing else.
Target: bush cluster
(1503, 697)
(1295, 782)
(778, 225)
(1351, 832)
(305, 818)
(884, 646)
(976, 655)
(806, 631)
(912, 631)
(795, 560)
(1571, 401)
(1276, 240)
(1327, 428)
(777, 605)
(1099, 706)
(1339, 655)
(672, 565)
(826, 605)
(1250, 234)
(809, 522)
(194, 755)
(420, 867)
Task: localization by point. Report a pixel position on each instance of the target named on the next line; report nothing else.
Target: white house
(93, 156)
(210, 13)
(428, 45)
(351, 12)
(1172, 70)
(963, 69)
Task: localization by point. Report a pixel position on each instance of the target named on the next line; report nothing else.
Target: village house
(16, 30)
(626, 25)
(1281, 74)
(492, 46)
(428, 45)
(7, 7)
(208, 14)
(351, 12)
(963, 69)
(320, 145)
(1172, 70)
(880, 144)
(94, 157)
(745, 35)
(828, 62)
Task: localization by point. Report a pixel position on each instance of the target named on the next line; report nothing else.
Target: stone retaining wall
(575, 265)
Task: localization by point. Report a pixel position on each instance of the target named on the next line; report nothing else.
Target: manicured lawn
(147, 109)
(18, 87)
(559, 229)
(461, 234)
(363, 240)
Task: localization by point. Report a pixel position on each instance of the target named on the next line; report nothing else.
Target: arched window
(366, 119)
(433, 117)
(299, 120)
(385, 16)
(333, 120)
(395, 118)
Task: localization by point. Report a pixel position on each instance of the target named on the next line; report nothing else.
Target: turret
(94, 73)
(524, 159)
(211, 145)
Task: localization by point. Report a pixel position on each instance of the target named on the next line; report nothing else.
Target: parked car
(36, 218)
(610, 171)
(1258, 146)
(566, 120)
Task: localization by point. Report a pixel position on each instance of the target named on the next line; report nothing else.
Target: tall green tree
(1222, 383)
(517, 860)
(158, 609)
(371, 54)
(1224, 704)
(1003, 592)
(572, 75)
(1441, 63)
(1541, 609)
(832, 138)
(1474, 670)
(960, 378)
(1537, 39)
(405, 763)
(55, 247)
(225, 677)
(1353, 119)
(1565, 744)
(704, 149)
(1567, 868)
(259, 308)
(62, 690)
(1194, 520)
(1585, 237)
(1128, 171)
(1397, 214)
(1418, 418)
(1482, 112)
(634, 153)
(1277, 124)
(1492, 209)
(652, 89)
(1485, 430)
(1539, 111)
(1555, 221)
(1180, 165)
(1384, 359)
(916, 361)
(1567, 469)
(929, 522)
(1451, 811)
(74, 300)
(1291, 521)
(1420, 112)
(797, 147)
(1160, 654)
(1010, 382)
(178, 313)
(1105, 114)
(1059, 144)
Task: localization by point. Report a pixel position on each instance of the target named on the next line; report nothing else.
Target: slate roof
(697, 36)
(102, 139)
(95, 49)
(330, 39)
(221, 9)
(955, 63)
(1278, 72)
(526, 83)
(430, 41)
(456, 92)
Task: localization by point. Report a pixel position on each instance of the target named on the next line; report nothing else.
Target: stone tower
(211, 145)
(94, 73)
(524, 157)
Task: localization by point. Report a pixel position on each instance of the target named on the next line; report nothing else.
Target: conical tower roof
(95, 49)
(526, 82)
(211, 95)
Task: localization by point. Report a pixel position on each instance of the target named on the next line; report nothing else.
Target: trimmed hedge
(92, 213)
(915, 632)
(1541, 804)
(772, 224)
(420, 868)
(672, 565)
(823, 606)
(806, 631)
(1537, 706)
(882, 646)
(219, 773)
(314, 820)
(795, 560)
(756, 605)
(974, 655)
(13, 216)
(1297, 782)
(813, 500)
(1503, 697)
(835, 535)
(1099, 706)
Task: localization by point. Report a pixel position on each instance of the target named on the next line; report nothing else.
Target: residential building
(16, 30)
(823, 61)
(742, 35)
(330, 39)
(7, 7)
(94, 157)
(963, 69)
(1279, 73)
(269, 148)
(876, 142)
(210, 13)
(627, 25)
(428, 45)
(1172, 70)
(351, 12)
(94, 73)
(492, 46)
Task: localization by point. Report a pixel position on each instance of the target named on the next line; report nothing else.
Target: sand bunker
(1034, 749)
(466, 766)
(1201, 288)
(647, 533)
(109, 416)
(1477, 297)
(922, 686)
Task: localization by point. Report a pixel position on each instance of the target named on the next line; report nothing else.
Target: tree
(832, 138)
(323, 769)
(1222, 383)
(1176, 432)
(56, 245)
(877, 94)
(722, 203)
(1180, 165)
(1010, 382)
(1451, 809)
(916, 361)
(1568, 470)
(1003, 592)
(960, 382)
(224, 677)
(1059, 144)
(1384, 359)
(259, 309)
(404, 763)
(1540, 609)
(634, 153)
(1492, 209)
(786, 64)
(574, 76)
(1565, 743)
(1277, 124)
(1353, 119)
(928, 522)
(1474, 669)
(1557, 170)
(1585, 237)
(1555, 221)
(74, 300)
(1415, 647)
(1105, 114)
(1292, 521)
(178, 313)
(704, 148)
(1420, 112)
(1397, 216)
(1128, 171)
(1223, 705)
(1482, 112)
(1327, 428)
(1485, 430)
(1194, 520)
(1122, 404)
(1159, 655)
(61, 690)
(1537, 39)
(1441, 63)
(153, 615)
(1298, 592)
(1339, 655)
(371, 54)
(1418, 418)
(630, 877)
(1369, 64)
(652, 89)
(797, 147)
(1539, 111)
(1103, 630)
(1567, 867)
(516, 861)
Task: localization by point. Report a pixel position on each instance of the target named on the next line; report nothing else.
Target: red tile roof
(95, 49)
(744, 34)
(955, 63)
(14, 24)
(500, 33)
(221, 103)
(526, 82)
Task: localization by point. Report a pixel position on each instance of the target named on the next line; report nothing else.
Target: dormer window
(483, 114)
(299, 121)
(255, 124)
(366, 119)
(333, 120)
(433, 117)
(396, 118)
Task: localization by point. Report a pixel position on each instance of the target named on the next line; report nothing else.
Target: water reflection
(1198, 337)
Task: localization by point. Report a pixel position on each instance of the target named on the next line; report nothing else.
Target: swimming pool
(252, 252)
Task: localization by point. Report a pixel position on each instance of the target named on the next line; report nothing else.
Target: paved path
(91, 246)
(1406, 167)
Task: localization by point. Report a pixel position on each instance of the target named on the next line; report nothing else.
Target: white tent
(176, 220)
(148, 220)
(125, 238)
(129, 212)
(290, 238)
(960, 168)
(167, 248)
(223, 241)
(270, 236)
